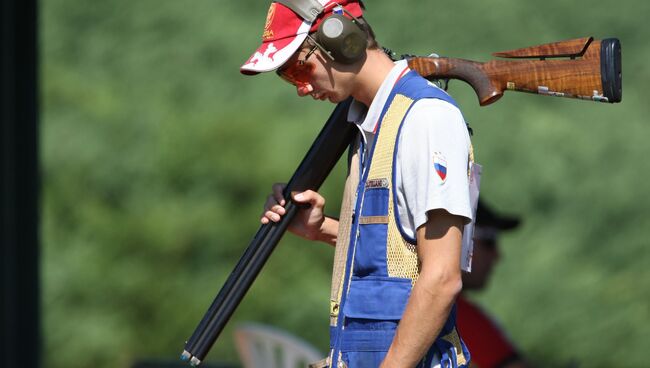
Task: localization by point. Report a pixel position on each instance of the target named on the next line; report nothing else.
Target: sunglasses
(299, 72)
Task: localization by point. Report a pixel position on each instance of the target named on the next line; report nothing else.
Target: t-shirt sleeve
(433, 158)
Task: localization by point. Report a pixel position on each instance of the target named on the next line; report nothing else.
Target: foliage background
(157, 156)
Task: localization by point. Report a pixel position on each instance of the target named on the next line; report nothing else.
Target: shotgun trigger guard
(442, 83)
(446, 81)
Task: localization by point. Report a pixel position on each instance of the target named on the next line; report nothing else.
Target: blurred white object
(261, 346)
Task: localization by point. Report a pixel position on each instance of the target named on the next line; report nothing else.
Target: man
(490, 347)
(406, 198)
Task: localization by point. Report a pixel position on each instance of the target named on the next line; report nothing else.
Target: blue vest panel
(372, 302)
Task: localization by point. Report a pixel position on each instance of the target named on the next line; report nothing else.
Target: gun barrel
(326, 150)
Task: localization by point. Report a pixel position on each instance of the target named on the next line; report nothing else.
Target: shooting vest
(375, 264)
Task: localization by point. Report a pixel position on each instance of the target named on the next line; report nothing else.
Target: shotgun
(581, 68)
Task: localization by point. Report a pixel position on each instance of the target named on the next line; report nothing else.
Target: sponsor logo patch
(440, 165)
(377, 183)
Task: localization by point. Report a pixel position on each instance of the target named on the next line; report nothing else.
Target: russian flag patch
(440, 165)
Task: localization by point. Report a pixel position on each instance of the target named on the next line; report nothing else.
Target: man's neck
(371, 76)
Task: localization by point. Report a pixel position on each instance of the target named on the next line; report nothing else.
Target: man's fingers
(278, 209)
(272, 216)
(311, 197)
(278, 188)
(272, 204)
(272, 210)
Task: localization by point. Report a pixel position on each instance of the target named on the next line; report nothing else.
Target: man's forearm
(426, 313)
(432, 297)
(329, 231)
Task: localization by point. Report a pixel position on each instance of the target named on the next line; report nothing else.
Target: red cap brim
(272, 54)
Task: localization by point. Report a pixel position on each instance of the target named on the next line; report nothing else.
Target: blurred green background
(157, 156)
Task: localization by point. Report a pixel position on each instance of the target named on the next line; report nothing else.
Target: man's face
(486, 255)
(314, 74)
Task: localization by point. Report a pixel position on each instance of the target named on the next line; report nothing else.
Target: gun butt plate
(610, 68)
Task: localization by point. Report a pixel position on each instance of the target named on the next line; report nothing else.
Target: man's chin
(334, 99)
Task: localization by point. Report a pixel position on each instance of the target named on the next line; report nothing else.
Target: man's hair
(370, 34)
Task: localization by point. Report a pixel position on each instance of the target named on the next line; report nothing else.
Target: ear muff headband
(344, 39)
(306, 9)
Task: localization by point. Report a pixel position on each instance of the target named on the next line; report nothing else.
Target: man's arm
(432, 297)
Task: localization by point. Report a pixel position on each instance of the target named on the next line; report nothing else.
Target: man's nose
(304, 89)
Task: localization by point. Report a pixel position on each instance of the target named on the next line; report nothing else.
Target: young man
(490, 346)
(406, 199)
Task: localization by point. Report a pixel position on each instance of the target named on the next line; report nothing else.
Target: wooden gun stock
(582, 68)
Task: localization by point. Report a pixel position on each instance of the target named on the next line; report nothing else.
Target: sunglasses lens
(297, 74)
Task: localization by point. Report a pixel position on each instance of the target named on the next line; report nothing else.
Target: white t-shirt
(432, 157)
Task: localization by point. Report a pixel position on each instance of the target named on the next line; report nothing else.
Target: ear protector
(342, 38)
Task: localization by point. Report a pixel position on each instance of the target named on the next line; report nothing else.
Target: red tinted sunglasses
(299, 72)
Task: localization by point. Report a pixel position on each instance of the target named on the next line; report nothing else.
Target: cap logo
(268, 32)
(440, 165)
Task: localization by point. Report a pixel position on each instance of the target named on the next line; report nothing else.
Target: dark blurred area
(159, 363)
(19, 183)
